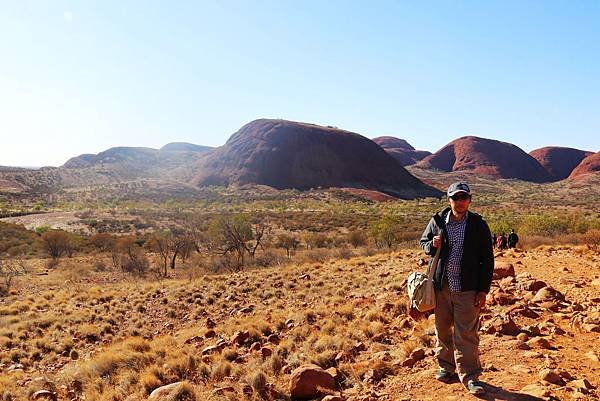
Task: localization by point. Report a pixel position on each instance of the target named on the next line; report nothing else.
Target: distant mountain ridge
(401, 150)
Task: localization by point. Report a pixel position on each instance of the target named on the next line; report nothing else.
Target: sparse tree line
(235, 241)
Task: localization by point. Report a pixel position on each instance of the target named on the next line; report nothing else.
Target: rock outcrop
(589, 165)
(487, 157)
(559, 161)
(285, 154)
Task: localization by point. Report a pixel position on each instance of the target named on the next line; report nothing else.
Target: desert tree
(128, 255)
(385, 231)
(236, 235)
(58, 243)
(103, 241)
(288, 242)
(9, 269)
(357, 238)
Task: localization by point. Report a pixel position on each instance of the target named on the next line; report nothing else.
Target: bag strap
(436, 258)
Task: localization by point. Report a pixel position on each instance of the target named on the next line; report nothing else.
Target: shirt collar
(447, 218)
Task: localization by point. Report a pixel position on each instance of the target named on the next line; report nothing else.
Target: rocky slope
(401, 150)
(487, 157)
(237, 336)
(286, 154)
(559, 161)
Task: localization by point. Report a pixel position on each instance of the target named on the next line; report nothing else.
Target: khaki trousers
(456, 326)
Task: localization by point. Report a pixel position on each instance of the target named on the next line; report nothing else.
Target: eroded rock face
(306, 380)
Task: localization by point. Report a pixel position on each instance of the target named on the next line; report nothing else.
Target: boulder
(551, 376)
(548, 294)
(44, 395)
(171, 392)
(307, 380)
(503, 325)
(240, 337)
(536, 390)
(502, 270)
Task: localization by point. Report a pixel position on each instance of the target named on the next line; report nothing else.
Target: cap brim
(455, 192)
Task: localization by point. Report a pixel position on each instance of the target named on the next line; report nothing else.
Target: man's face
(460, 202)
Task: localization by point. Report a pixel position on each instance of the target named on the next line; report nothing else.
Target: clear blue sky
(81, 76)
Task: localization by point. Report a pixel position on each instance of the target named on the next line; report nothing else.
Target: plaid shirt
(456, 238)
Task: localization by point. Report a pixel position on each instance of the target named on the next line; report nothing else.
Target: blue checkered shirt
(456, 238)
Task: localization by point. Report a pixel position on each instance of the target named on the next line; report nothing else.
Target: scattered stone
(332, 398)
(240, 337)
(548, 294)
(194, 339)
(307, 380)
(337, 376)
(415, 356)
(210, 334)
(536, 390)
(520, 369)
(211, 349)
(551, 376)
(274, 339)
(223, 390)
(44, 394)
(540, 342)
(174, 391)
(266, 352)
(359, 347)
(591, 328)
(256, 346)
(582, 384)
(502, 270)
(503, 325)
(591, 355)
(247, 390)
(210, 323)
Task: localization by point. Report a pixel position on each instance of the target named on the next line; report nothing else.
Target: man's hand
(480, 299)
(437, 241)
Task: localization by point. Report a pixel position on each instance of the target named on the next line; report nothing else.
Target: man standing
(513, 238)
(462, 279)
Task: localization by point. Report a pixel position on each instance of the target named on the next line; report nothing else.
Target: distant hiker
(513, 238)
(501, 242)
(462, 278)
(494, 240)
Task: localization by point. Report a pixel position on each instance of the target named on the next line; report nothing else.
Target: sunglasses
(462, 196)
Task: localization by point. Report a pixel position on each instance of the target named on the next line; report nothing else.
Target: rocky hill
(559, 161)
(286, 154)
(401, 150)
(589, 165)
(487, 157)
(185, 147)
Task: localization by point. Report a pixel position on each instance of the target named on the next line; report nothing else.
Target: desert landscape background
(223, 272)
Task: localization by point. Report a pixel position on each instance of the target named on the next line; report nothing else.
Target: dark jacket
(477, 263)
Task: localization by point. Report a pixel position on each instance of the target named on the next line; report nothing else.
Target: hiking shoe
(446, 376)
(475, 387)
